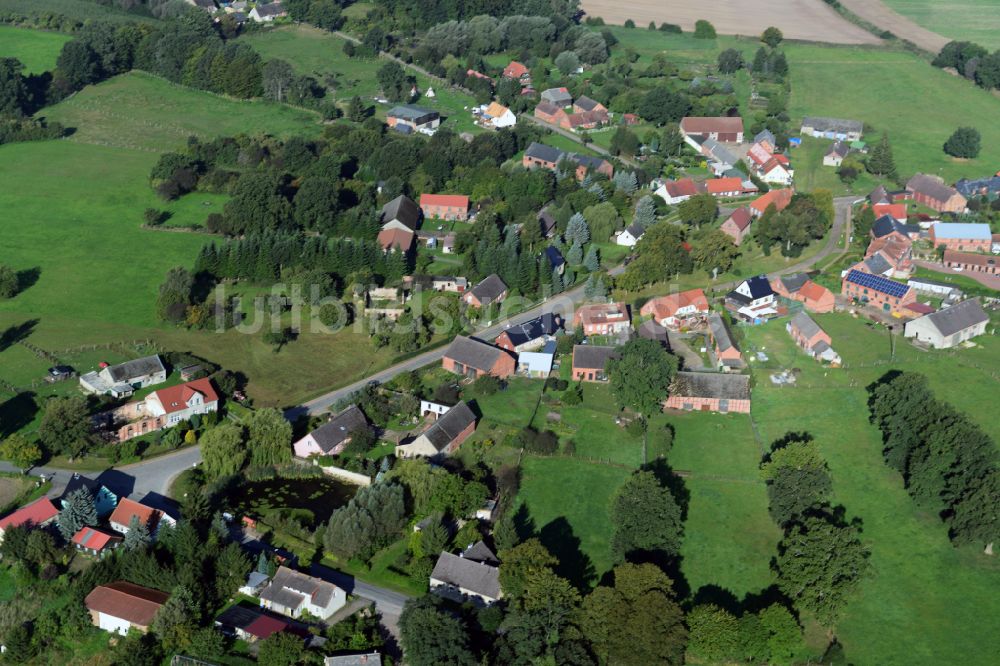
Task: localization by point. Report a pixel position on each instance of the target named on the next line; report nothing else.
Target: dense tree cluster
(949, 465)
(972, 61)
(807, 218)
(964, 142)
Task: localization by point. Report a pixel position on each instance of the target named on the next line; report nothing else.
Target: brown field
(798, 19)
(878, 14)
(12, 487)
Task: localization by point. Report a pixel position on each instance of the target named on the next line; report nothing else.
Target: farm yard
(810, 20)
(37, 50)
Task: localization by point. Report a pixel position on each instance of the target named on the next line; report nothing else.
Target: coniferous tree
(137, 536)
(79, 511)
(880, 161)
(592, 261)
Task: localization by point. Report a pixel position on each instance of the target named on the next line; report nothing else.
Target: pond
(308, 501)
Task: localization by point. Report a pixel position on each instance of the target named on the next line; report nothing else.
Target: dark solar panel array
(878, 283)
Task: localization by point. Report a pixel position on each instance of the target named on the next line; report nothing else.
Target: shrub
(964, 142)
(704, 30)
(671, 28)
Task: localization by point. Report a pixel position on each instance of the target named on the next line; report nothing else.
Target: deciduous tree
(641, 375)
(646, 517)
(269, 438)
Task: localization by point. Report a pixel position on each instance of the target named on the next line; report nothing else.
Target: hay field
(896, 16)
(810, 20)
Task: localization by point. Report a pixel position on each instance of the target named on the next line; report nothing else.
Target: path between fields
(880, 15)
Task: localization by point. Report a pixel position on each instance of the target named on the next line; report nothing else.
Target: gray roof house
(491, 289)
(590, 362)
(465, 354)
(832, 128)
(121, 380)
(480, 552)
(333, 436)
(400, 213)
(462, 580)
(291, 593)
(544, 153)
(559, 97)
(949, 327)
(444, 436)
(365, 659)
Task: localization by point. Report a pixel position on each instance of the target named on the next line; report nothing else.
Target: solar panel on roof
(878, 283)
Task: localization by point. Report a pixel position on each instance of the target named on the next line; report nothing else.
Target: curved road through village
(157, 474)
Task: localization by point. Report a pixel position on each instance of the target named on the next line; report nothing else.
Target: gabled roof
(896, 210)
(369, 659)
(839, 148)
(533, 329)
(792, 283)
(473, 353)
(812, 292)
(548, 108)
(93, 538)
(402, 209)
(272, 9)
(765, 135)
(720, 385)
(126, 601)
(970, 258)
(780, 199)
(593, 357)
(878, 264)
(685, 187)
(412, 113)
(543, 152)
(978, 187)
(449, 200)
(719, 124)
(395, 239)
(496, 110)
(635, 230)
(805, 324)
(331, 434)
(449, 425)
(741, 217)
(515, 70)
(586, 103)
(289, 588)
(879, 195)
(931, 187)
(489, 289)
(480, 552)
(667, 306)
(587, 161)
(723, 185)
(176, 398)
(759, 286)
(877, 283)
(887, 224)
(958, 317)
(468, 575)
(127, 508)
(556, 95)
(140, 367)
(720, 333)
(38, 512)
(554, 256)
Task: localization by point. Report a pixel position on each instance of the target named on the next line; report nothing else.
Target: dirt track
(877, 13)
(798, 19)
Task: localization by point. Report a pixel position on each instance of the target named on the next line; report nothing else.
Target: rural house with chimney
(491, 290)
(602, 318)
(464, 580)
(293, 593)
(120, 381)
(676, 311)
(122, 607)
(445, 206)
(590, 362)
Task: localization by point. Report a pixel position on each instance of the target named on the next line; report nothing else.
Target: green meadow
(926, 601)
(973, 20)
(37, 50)
(141, 112)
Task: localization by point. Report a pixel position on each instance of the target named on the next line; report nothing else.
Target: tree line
(972, 61)
(949, 465)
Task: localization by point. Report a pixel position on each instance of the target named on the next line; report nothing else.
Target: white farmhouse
(949, 327)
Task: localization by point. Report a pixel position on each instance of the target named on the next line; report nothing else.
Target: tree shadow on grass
(16, 413)
(574, 565)
(664, 473)
(27, 278)
(17, 333)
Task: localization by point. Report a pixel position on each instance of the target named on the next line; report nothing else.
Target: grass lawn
(514, 405)
(36, 49)
(966, 284)
(729, 536)
(12, 489)
(382, 570)
(321, 54)
(569, 501)
(145, 113)
(973, 20)
(811, 174)
(79, 10)
(925, 108)
(926, 601)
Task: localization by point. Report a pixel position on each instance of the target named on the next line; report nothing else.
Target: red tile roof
(723, 185)
(38, 512)
(395, 238)
(920, 308)
(122, 515)
(667, 306)
(741, 217)
(449, 200)
(126, 601)
(265, 626)
(175, 398)
(723, 125)
(780, 199)
(685, 187)
(515, 70)
(94, 539)
(812, 292)
(898, 211)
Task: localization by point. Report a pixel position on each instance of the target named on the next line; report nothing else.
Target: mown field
(37, 50)
(974, 20)
(926, 602)
(141, 112)
(76, 10)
